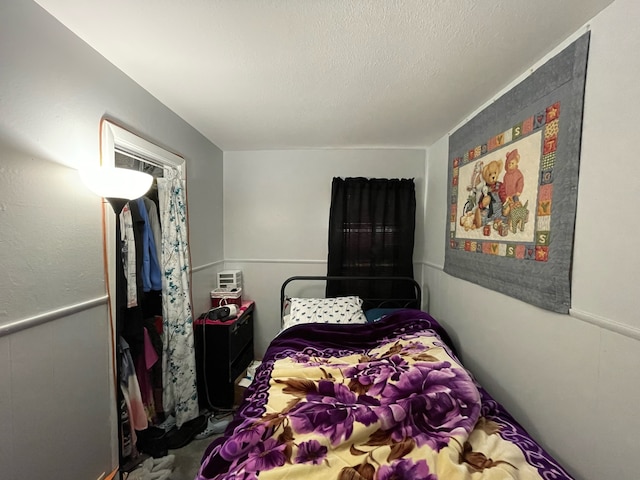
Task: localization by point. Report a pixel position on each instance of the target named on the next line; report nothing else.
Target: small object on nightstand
(222, 313)
(230, 279)
(226, 296)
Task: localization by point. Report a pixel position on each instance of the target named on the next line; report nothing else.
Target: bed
(345, 395)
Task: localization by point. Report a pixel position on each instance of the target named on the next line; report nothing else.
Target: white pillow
(340, 310)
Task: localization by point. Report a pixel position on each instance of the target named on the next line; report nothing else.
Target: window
(371, 230)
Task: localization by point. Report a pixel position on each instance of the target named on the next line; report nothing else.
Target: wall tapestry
(513, 184)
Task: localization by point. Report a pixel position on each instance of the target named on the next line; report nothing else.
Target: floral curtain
(178, 359)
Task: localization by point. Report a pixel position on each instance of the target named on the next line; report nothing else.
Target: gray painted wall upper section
(56, 411)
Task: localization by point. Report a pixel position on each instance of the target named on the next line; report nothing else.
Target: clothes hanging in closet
(154, 223)
(140, 297)
(151, 276)
(129, 256)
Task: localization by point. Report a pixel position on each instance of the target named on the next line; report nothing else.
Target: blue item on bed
(375, 314)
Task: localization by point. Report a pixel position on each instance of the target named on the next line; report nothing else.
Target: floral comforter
(383, 401)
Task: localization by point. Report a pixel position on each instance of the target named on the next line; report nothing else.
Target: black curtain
(371, 233)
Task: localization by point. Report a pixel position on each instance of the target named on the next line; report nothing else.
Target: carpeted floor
(188, 459)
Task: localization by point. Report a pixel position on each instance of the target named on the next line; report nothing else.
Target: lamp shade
(115, 182)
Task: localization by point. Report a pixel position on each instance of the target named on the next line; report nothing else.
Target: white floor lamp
(116, 185)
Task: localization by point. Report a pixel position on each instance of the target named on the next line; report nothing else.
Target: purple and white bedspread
(378, 401)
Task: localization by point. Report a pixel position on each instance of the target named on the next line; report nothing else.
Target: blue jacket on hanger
(151, 275)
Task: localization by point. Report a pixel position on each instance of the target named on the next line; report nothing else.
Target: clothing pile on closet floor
(141, 431)
(153, 469)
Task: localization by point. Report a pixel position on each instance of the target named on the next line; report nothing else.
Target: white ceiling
(281, 74)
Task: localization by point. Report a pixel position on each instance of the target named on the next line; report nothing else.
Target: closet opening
(138, 309)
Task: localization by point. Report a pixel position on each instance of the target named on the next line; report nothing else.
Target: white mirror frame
(112, 137)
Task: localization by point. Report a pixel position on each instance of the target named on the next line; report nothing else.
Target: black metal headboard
(414, 301)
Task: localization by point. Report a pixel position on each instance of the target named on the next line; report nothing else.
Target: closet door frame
(114, 137)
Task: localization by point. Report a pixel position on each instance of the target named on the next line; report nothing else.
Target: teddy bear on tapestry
(516, 214)
(489, 205)
(513, 179)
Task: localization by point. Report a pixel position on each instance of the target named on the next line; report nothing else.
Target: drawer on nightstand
(240, 333)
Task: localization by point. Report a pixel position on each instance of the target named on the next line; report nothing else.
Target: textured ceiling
(268, 74)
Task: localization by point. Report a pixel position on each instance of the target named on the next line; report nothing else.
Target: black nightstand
(223, 351)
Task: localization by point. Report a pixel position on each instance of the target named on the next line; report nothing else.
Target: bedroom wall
(57, 415)
(277, 214)
(572, 380)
